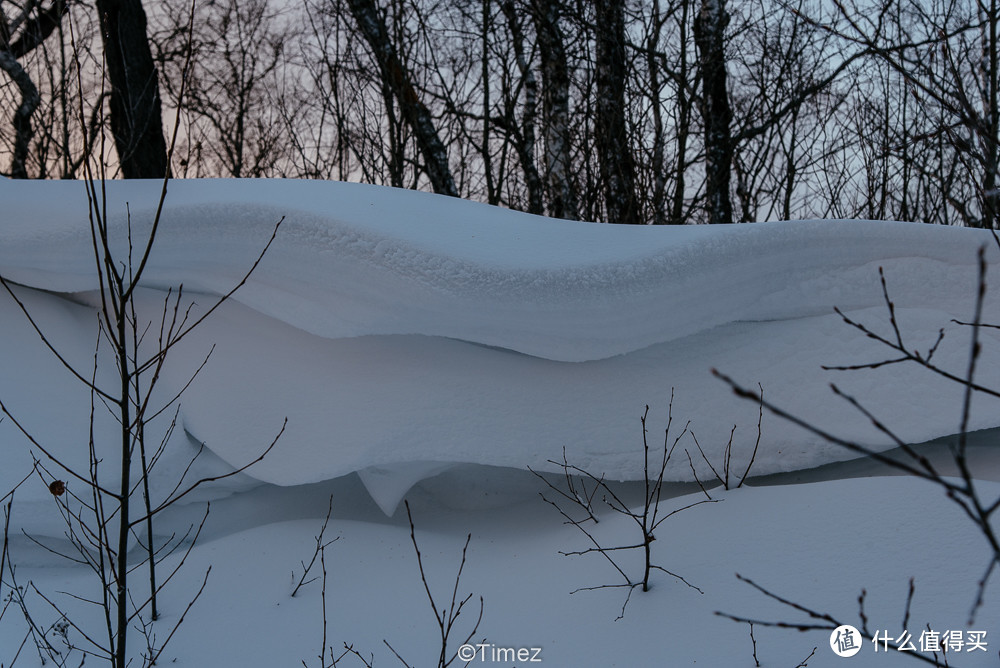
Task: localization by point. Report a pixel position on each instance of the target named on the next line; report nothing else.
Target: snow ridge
(400, 332)
(354, 260)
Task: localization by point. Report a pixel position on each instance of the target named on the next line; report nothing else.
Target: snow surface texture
(818, 544)
(401, 332)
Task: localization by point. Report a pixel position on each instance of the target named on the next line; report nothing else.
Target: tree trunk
(683, 114)
(492, 196)
(22, 115)
(613, 152)
(525, 141)
(657, 215)
(555, 104)
(19, 37)
(991, 143)
(417, 116)
(136, 117)
(709, 33)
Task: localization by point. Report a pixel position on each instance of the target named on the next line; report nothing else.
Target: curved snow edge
(353, 260)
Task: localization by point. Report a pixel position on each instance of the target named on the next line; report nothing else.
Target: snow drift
(400, 332)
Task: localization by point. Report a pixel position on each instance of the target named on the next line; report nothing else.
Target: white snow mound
(399, 331)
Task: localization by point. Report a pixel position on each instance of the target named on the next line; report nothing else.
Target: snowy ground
(417, 340)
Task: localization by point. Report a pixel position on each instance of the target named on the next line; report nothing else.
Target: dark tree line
(660, 111)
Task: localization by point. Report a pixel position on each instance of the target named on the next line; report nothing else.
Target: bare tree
(136, 115)
(397, 80)
(523, 133)
(446, 616)
(101, 520)
(614, 152)
(665, 144)
(234, 124)
(978, 504)
(555, 106)
(709, 35)
(20, 34)
(648, 518)
(948, 54)
(784, 95)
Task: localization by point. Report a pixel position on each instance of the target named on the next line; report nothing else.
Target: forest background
(645, 112)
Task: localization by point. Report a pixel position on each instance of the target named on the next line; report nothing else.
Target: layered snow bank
(400, 332)
(357, 260)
